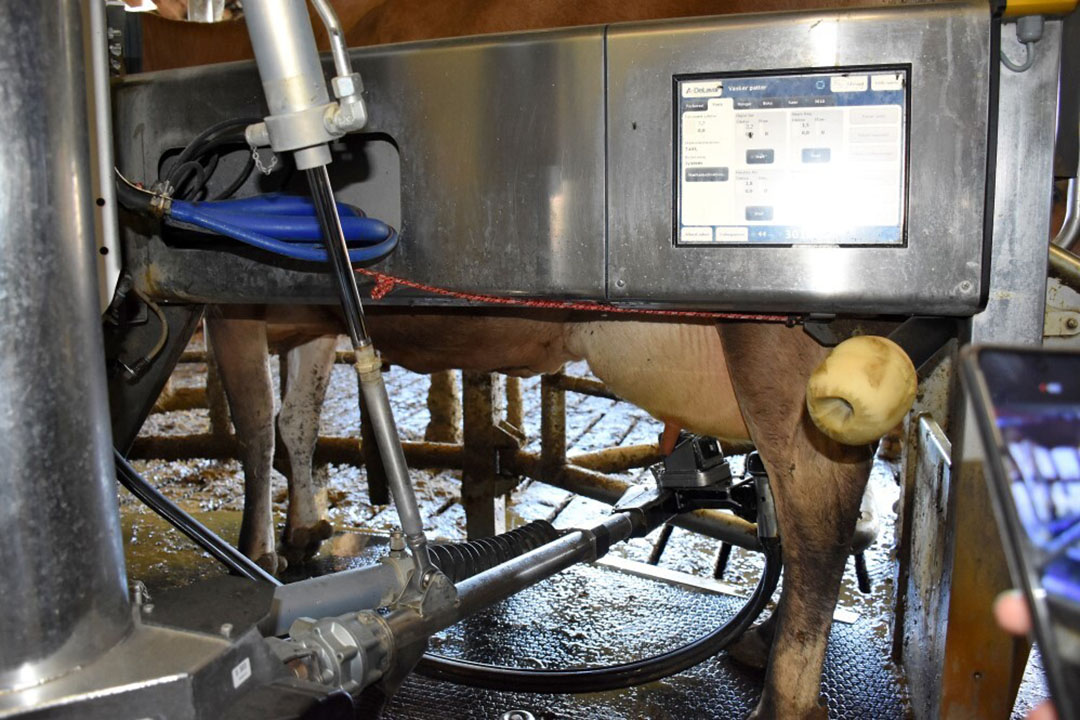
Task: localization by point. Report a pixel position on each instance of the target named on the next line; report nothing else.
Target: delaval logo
(703, 88)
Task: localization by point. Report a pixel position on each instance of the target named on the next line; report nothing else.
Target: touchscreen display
(1036, 402)
(792, 159)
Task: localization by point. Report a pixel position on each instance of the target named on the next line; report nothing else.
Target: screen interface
(1036, 403)
(792, 159)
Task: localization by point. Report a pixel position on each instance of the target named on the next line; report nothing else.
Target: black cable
(240, 179)
(180, 175)
(194, 147)
(201, 535)
(613, 677)
(203, 144)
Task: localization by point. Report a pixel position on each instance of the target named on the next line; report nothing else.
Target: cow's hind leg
(818, 485)
(243, 362)
(304, 381)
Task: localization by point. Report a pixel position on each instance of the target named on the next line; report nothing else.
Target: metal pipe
(323, 195)
(583, 386)
(1070, 229)
(292, 78)
(1065, 266)
(286, 55)
(295, 88)
(336, 594)
(108, 234)
(201, 535)
(502, 581)
(65, 599)
(338, 47)
(714, 524)
(377, 405)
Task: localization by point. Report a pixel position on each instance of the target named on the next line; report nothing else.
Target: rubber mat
(592, 615)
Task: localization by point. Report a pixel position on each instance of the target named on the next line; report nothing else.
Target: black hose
(613, 677)
(194, 148)
(201, 535)
(133, 198)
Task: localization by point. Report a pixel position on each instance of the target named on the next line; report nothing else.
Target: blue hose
(264, 230)
(301, 228)
(276, 204)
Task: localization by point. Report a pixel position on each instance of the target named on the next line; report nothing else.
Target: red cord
(385, 283)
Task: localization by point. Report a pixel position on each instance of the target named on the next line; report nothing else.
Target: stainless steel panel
(63, 586)
(501, 162)
(938, 272)
(1024, 180)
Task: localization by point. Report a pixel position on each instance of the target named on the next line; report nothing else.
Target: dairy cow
(733, 380)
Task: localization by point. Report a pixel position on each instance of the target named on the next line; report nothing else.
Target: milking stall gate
(905, 190)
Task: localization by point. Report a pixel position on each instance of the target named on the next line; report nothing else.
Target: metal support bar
(582, 385)
(711, 523)
(348, 591)
(201, 535)
(502, 581)
(1065, 266)
(377, 483)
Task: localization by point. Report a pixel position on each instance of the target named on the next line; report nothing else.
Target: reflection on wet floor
(213, 492)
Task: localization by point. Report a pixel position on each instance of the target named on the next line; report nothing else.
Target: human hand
(1013, 615)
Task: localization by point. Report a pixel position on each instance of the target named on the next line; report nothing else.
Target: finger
(1012, 613)
(1045, 711)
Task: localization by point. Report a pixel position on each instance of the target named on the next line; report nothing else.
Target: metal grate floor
(594, 615)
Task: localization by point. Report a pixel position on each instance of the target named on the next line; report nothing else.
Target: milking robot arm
(303, 120)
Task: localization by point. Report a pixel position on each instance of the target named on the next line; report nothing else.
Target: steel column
(63, 579)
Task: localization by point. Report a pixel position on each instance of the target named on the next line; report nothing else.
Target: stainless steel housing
(540, 164)
(64, 590)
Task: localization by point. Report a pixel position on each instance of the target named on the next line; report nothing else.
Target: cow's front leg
(241, 352)
(305, 381)
(818, 484)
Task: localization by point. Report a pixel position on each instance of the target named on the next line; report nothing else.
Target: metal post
(982, 664)
(63, 579)
(378, 486)
(485, 511)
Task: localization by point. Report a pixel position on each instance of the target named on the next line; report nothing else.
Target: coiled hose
(479, 555)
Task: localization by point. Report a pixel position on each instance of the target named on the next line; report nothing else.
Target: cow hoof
(868, 525)
(272, 563)
(301, 544)
(751, 650)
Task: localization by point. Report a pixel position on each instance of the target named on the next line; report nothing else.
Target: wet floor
(588, 615)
